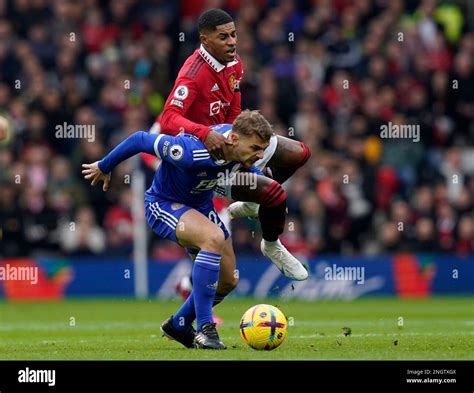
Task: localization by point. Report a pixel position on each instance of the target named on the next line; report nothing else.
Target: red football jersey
(206, 92)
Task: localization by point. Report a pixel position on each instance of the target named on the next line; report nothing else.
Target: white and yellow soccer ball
(263, 327)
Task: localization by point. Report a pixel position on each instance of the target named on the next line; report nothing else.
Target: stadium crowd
(330, 73)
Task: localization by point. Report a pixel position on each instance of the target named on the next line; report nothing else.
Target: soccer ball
(263, 327)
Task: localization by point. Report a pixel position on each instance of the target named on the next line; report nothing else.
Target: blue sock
(205, 277)
(185, 316)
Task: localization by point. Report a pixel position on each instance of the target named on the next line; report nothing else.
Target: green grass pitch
(381, 328)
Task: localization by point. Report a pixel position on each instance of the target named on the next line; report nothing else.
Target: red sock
(272, 211)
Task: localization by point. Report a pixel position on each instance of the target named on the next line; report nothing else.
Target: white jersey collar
(212, 61)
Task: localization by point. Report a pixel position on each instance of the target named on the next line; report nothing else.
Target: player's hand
(216, 144)
(93, 172)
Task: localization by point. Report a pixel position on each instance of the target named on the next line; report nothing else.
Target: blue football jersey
(188, 173)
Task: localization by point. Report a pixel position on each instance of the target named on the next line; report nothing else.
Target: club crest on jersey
(181, 92)
(232, 82)
(176, 152)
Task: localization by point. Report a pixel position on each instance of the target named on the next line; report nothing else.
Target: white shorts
(223, 190)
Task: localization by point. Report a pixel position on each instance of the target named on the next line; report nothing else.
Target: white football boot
(243, 209)
(283, 260)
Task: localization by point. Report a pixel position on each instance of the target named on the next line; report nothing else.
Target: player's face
(249, 149)
(222, 42)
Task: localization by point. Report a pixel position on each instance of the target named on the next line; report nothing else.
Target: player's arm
(183, 152)
(174, 117)
(138, 142)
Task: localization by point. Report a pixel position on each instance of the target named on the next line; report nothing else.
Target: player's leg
(281, 159)
(271, 197)
(289, 156)
(228, 276)
(196, 231)
(228, 280)
(190, 228)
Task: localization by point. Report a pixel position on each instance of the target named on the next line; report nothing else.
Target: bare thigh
(288, 153)
(195, 230)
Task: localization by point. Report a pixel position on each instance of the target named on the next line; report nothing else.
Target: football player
(207, 92)
(179, 207)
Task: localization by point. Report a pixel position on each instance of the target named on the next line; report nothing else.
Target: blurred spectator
(12, 239)
(64, 191)
(331, 73)
(337, 218)
(166, 250)
(40, 222)
(293, 238)
(465, 235)
(118, 225)
(242, 239)
(446, 224)
(313, 224)
(390, 237)
(425, 239)
(82, 237)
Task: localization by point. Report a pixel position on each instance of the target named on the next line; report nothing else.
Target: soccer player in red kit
(206, 92)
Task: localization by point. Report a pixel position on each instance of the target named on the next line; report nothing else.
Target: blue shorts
(163, 216)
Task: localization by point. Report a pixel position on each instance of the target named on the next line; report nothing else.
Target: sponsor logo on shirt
(215, 87)
(165, 148)
(214, 108)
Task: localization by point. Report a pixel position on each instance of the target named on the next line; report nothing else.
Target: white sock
(272, 244)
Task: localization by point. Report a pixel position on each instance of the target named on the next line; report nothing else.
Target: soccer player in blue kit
(179, 207)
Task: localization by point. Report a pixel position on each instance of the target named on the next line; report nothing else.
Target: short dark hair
(252, 122)
(210, 19)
